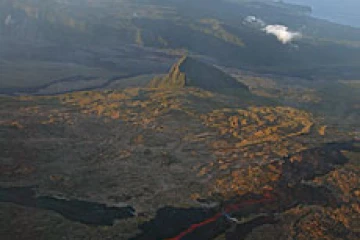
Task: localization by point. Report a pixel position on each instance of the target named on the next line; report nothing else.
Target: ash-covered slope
(189, 72)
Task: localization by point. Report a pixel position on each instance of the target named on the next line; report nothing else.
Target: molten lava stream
(228, 210)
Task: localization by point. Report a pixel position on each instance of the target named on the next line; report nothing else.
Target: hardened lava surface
(179, 164)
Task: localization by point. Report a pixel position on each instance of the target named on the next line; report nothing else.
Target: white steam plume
(8, 20)
(252, 20)
(282, 33)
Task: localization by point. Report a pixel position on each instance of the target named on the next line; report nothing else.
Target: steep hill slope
(189, 72)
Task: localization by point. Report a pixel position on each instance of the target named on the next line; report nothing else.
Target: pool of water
(76, 210)
(344, 11)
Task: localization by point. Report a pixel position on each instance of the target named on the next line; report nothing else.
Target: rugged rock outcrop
(189, 72)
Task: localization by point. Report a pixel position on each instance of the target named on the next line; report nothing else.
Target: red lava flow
(228, 209)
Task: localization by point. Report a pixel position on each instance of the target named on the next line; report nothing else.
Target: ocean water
(340, 11)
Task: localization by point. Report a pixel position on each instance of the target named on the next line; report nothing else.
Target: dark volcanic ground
(157, 164)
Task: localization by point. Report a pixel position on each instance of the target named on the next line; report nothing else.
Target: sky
(340, 11)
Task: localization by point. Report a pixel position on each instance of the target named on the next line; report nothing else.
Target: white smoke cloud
(8, 20)
(282, 33)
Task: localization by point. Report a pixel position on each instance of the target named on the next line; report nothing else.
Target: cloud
(282, 33)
